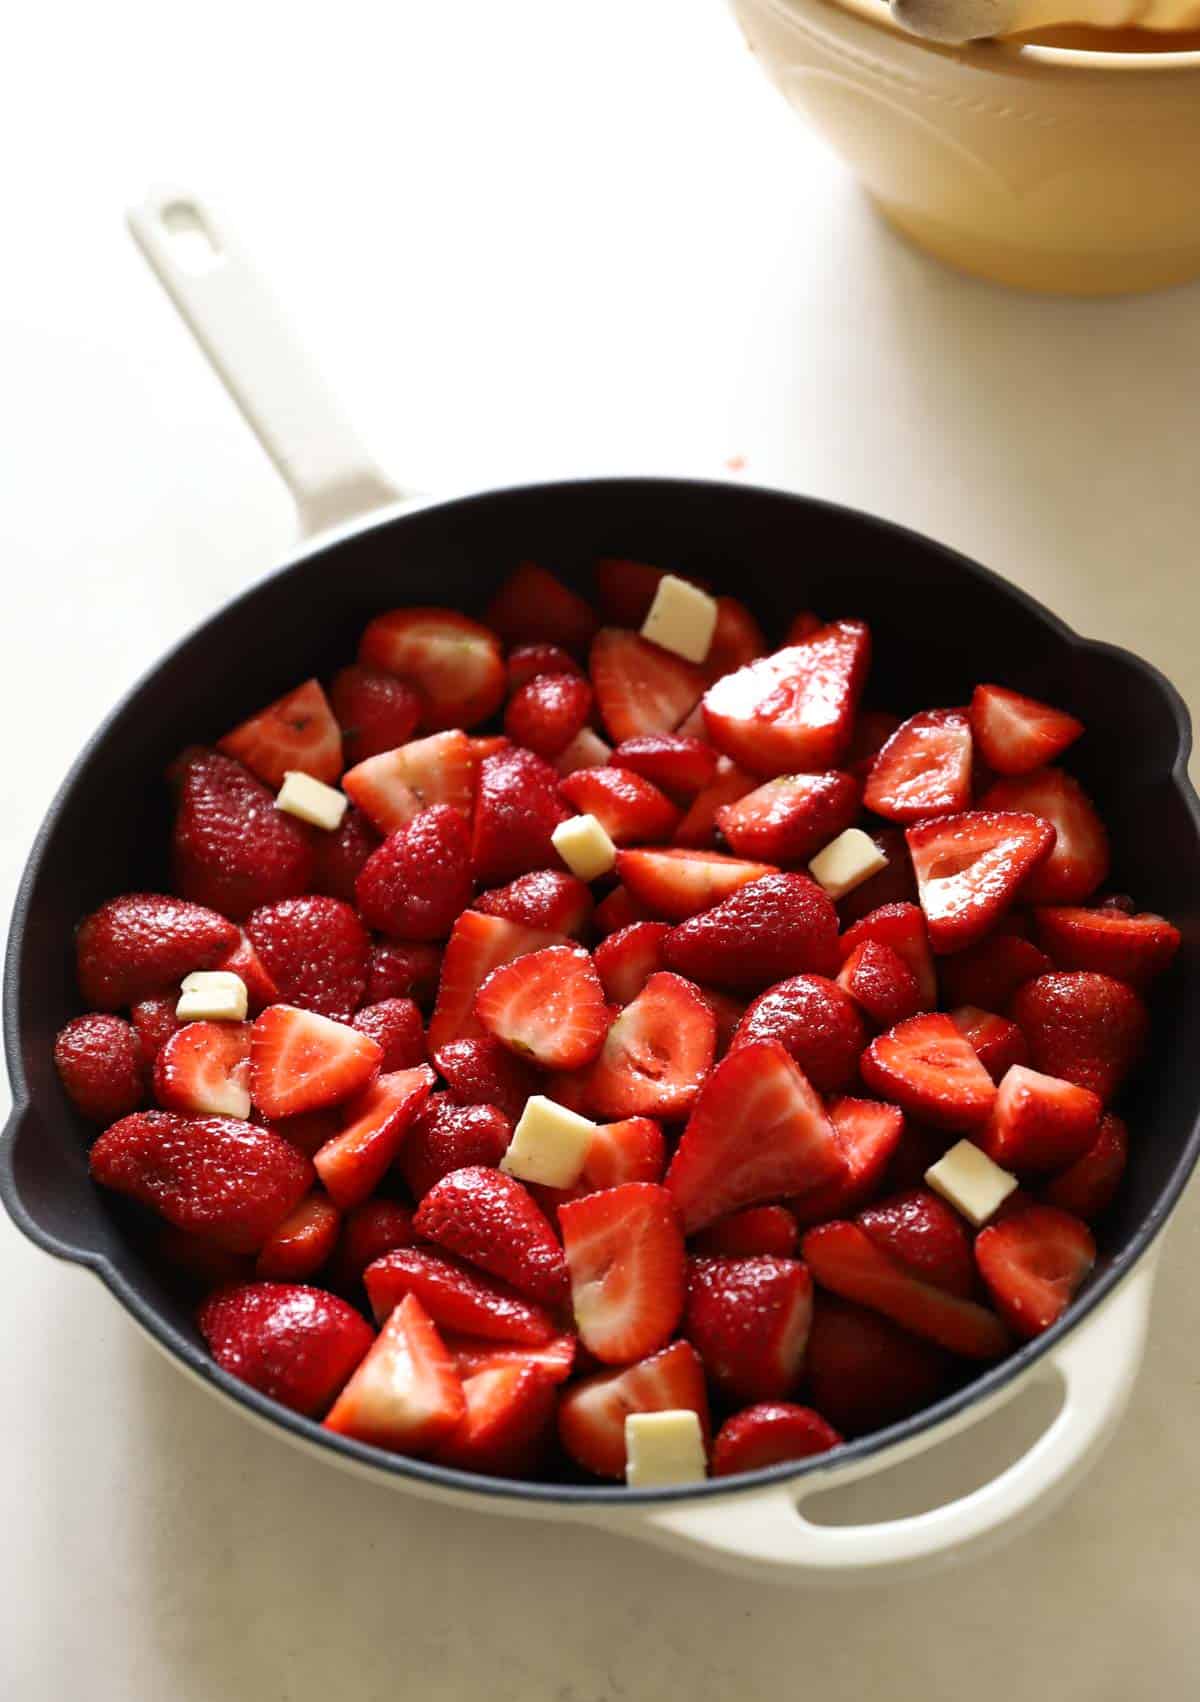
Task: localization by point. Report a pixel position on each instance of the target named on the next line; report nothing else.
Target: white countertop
(522, 240)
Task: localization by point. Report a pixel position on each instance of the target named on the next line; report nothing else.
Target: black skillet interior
(940, 623)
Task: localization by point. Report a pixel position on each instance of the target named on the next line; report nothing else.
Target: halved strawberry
(419, 880)
(698, 829)
(354, 1162)
(880, 983)
(316, 952)
(618, 910)
(679, 766)
(1088, 1187)
(295, 1344)
(896, 884)
(547, 1006)
(1034, 1263)
(455, 1297)
(748, 1320)
(300, 1061)
(677, 883)
(924, 769)
(478, 944)
(774, 927)
(490, 1220)
(1039, 1122)
(400, 970)
(815, 1021)
(368, 1232)
(864, 1371)
(302, 1243)
(454, 663)
(510, 1412)
(546, 898)
(1133, 948)
(639, 687)
(624, 1251)
(527, 661)
(998, 1043)
(102, 1065)
(396, 1028)
(843, 1257)
(376, 711)
(516, 811)
(789, 819)
(406, 1394)
(928, 1068)
(446, 1136)
(872, 730)
(749, 1233)
(1016, 734)
(547, 712)
(655, 1054)
(297, 731)
(230, 847)
(903, 928)
(534, 607)
(631, 810)
(626, 960)
(769, 1434)
(483, 1072)
(870, 1133)
(1086, 1028)
(472, 1354)
(794, 710)
(145, 943)
(970, 867)
(737, 639)
(592, 1413)
(988, 974)
(245, 962)
(626, 589)
(758, 1132)
(586, 750)
(1079, 860)
(929, 1238)
(393, 787)
(205, 1066)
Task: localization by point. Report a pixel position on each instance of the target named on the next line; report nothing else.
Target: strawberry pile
(761, 1073)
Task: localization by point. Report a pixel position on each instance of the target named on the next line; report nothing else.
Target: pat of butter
(971, 1182)
(584, 847)
(663, 1448)
(682, 619)
(846, 862)
(212, 995)
(549, 1144)
(311, 800)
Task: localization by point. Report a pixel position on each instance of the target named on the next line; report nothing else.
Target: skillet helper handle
(765, 1532)
(241, 330)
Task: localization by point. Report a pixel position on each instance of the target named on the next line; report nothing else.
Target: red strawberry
(295, 732)
(340, 856)
(510, 1411)
(748, 1320)
(547, 712)
(101, 1065)
(300, 1061)
(368, 1232)
(640, 688)
(655, 1054)
(399, 971)
(145, 943)
(928, 1237)
(902, 927)
(213, 1175)
(626, 589)
(490, 1220)
(395, 1027)
(681, 767)
(315, 950)
(789, 819)
(1039, 1122)
(155, 1022)
(307, 1131)
(547, 898)
(802, 626)
(586, 750)
(205, 1066)
(231, 848)
(393, 787)
(737, 639)
(406, 1394)
(758, 1132)
(1086, 1028)
(547, 1007)
(866, 1372)
(931, 1072)
(843, 1257)
(624, 1251)
(297, 1345)
(678, 884)
(455, 1297)
(1088, 1187)
(870, 1133)
(354, 1162)
(630, 809)
(987, 975)
(453, 662)
(1016, 734)
(618, 911)
(527, 661)
(483, 1072)
(814, 1021)
(592, 1413)
(419, 880)
(755, 1231)
(1033, 1263)
(516, 812)
(532, 606)
(727, 1012)
(872, 730)
(880, 983)
(1078, 863)
(245, 962)
(473, 1354)
(794, 710)
(626, 960)
(894, 885)
(698, 829)
(778, 926)
(998, 1043)
(376, 711)
(769, 1434)
(970, 867)
(632, 1150)
(924, 769)
(1130, 948)
(302, 1243)
(477, 945)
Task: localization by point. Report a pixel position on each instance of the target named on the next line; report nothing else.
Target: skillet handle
(239, 327)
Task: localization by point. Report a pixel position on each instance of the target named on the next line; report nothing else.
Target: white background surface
(522, 240)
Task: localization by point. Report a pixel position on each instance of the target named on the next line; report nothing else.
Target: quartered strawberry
(483, 1072)
(301, 1061)
(778, 926)
(618, 910)
(295, 732)
(535, 607)
(626, 960)
(508, 1421)
(770, 1433)
(872, 730)
(1088, 1187)
(655, 1054)
(639, 687)
(752, 1232)
(547, 1007)
(315, 950)
(677, 883)
(1087, 1028)
(418, 882)
(632, 811)
(145, 943)
(881, 984)
(155, 1022)
(396, 1028)
(624, 1251)
(794, 710)
(632, 1150)
(988, 974)
(205, 1066)
(586, 750)
(354, 1162)
(902, 927)
(870, 1133)
(302, 1243)
(406, 1394)
(680, 766)
(490, 1220)
(970, 868)
(217, 1176)
(478, 944)
(455, 1297)
(924, 769)
(789, 819)
(376, 711)
(1133, 948)
(547, 712)
(1039, 1122)
(758, 1132)
(998, 1043)
(1016, 734)
(592, 1412)
(864, 1371)
(396, 785)
(296, 1345)
(842, 1257)
(1034, 1263)
(1079, 860)
(454, 663)
(815, 1022)
(698, 829)
(368, 1232)
(546, 898)
(895, 884)
(230, 847)
(339, 856)
(516, 811)
(929, 1238)
(473, 1354)
(245, 962)
(527, 661)
(403, 970)
(101, 1065)
(929, 1070)
(737, 639)
(748, 1320)
(626, 589)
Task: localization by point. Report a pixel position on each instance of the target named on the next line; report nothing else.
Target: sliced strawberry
(376, 711)
(419, 881)
(406, 1394)
(870, 1133)
(872, 730)
(509, 1416)
(316, 952)
(789, 819)
(681, 767)
(678, 884)
(295, 732)
(302, 1243)
(368, 1232)
(626, 960)
(903, 928)
(970, 867)
(815, 1022)
(446, 1136)
(748, 1320)
(698, 829)
(297, 1345)
(895, 884)
(300, 1061)
(454, 663)
(245, 962)
(483, 1072)
(396, 1028)
(924, 769)
(354, 1162)
(1034, 1263)
(548, 712)
(931, 1072)
(929, 1238)
(403, 971)
(455, 1297)
(1016, 734)
(1086, 1028)
(778, 926)
(631, 810)
(547, 898)
(490, 1220)
(586, 750)
(205, 1066)
(1088, 1187)
(477, 945)
(472, 1354)
(988, 974)
(547, 1007)
(755, 1231)
(1039, 1122)
(527, 661)
(592, 1413)
(843, 1257)
(1133, 948)
(1079, 861)
(534, 607)
(794, 710)
(998, 1043)
(632, 1150)
(737, 639)
(639, 687)
(769, 1434)
(626, 589)
(758, 1132)
(154, 1021)
(624, 1251)
(656, 1053)
(516, 812)
(866, 1372)
(145, 943)
(396, 785)
(230, 847)
(618, 910)
(101, 1064)
(880, 983)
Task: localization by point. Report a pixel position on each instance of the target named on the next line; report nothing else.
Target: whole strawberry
(419, 880)
(778, 926)
(145, 943)
(1087, 1028)
(230, 847)
(99, 1060)
(376, 711)
(316, 951)
(296, 1344)
(490, 1220)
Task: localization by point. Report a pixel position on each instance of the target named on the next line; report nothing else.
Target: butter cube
(971, 1182)
(212, 995)
(549, 1144)
(682, 619)
(663, 1448)
(584, 847)
(846, 862)
(311, 800)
